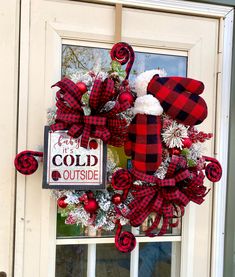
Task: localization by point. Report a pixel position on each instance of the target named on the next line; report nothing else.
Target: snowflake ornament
(174, 134)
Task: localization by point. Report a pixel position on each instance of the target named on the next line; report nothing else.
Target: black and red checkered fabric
(106, 126)
(26, 163)
(69, 92)
(123, 53)
(213, 170)
(121, 179)
(101, 93)
(124, 241)
(180, 98)
(145, 143)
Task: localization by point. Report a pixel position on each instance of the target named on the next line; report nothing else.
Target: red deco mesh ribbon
(26, 163)
(70, 116)
(167, 198)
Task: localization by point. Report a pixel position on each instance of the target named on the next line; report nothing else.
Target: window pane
(71, 261)
(77, 59)
(150, 220)
(156, 259)
(66, 230)
(110, 262)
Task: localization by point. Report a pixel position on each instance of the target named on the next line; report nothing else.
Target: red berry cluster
(197, 136)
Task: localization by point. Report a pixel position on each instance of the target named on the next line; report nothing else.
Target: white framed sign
(67, 165)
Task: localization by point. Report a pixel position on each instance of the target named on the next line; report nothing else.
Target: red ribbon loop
(123, 53)
(26, 163)
(213, 169)
(125, 241)
(101, 93)
(122, 180)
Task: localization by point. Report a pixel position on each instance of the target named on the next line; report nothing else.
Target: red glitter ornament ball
(82, 87)
(187, 143)
(91, 206)
(126, 96)
(61, 202)
(117, 199)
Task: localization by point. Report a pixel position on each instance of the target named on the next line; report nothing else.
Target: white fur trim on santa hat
(147, 104)
(141, 82)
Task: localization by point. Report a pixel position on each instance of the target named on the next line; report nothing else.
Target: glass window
(111, 262)
(155, 259)
(71, 260)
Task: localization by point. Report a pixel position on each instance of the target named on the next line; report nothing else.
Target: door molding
(222, 145)
(176, 6)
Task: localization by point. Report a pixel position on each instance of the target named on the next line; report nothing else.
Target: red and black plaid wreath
(168, 170)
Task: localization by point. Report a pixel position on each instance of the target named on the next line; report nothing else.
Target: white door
(185, 45)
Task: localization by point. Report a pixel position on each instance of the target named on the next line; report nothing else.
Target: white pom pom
(147, 104)
(141, 82)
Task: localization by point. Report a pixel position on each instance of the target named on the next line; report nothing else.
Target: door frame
(225, 15)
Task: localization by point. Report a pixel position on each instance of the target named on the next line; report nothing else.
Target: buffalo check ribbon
(26, 163)
(69, 115)
(124, 241)
(166, 198)
(86, 126)
(94, 126)
(213, 169)
(160, 198)
(122, 180)
(101, 92)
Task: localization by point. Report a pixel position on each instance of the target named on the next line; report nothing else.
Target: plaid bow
(167, 198)
(70, 116)
(161, 198)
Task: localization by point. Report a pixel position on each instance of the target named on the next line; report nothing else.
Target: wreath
(155, 122)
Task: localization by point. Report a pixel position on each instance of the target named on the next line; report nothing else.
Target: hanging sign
(70, 166)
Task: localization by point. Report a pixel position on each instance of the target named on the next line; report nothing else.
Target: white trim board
(175, 6)
(221, 151)
(97, 240)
